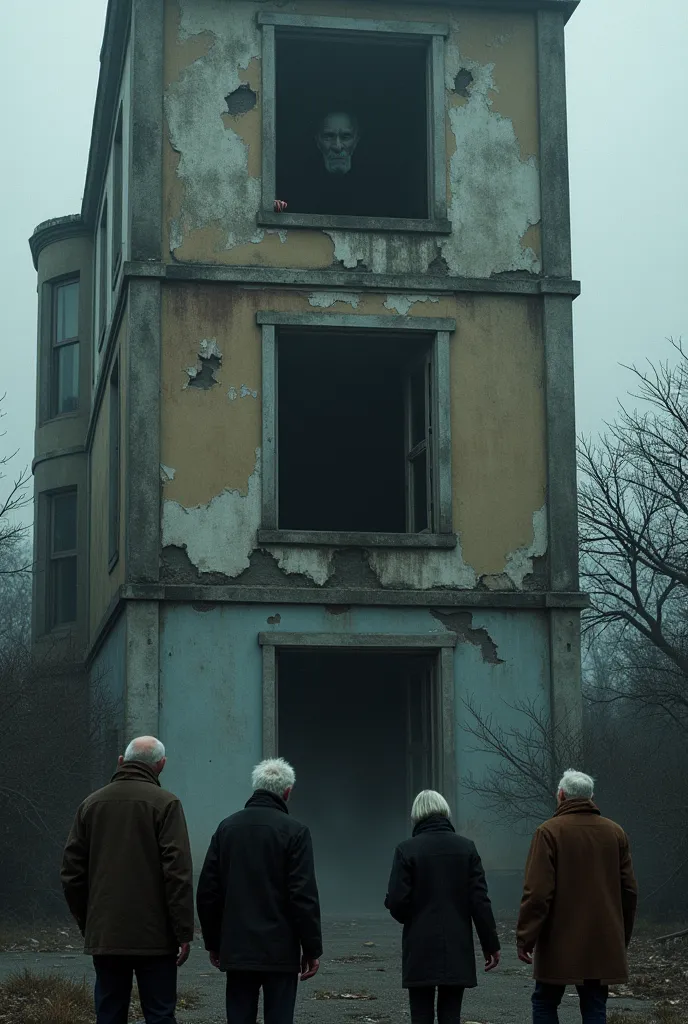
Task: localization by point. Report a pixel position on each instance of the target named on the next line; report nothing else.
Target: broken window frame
(58, 346)
(272, 23)
(57, 558)
(444, 719)
(439, 490)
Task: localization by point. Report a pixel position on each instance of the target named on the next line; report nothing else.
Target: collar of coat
(135, 771)
(576, 805)
(263, 798)
(433, 823)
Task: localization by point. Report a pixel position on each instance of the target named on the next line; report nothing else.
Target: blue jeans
(592, 996)
(156, 977)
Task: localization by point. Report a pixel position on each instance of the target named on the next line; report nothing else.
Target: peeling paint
(315, 563)
(219, 536)
(494, 199)
(422, 569)
(243, 392)
(213, 158)
(520, 563)
(166, 473)
(382, 254)
(325, 300)
(461, 623)
(202, 375)
(402, 303)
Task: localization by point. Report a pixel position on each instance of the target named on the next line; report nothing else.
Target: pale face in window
(337, 141)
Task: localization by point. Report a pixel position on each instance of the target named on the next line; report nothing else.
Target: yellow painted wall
(104, 584)
(497, 404)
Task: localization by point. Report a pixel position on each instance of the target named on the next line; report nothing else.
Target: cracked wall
(211, 437)
(212, 161)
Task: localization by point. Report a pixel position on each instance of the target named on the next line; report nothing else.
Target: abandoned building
(304, 466)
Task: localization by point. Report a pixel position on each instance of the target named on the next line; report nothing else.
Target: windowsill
(74, 414)
(341, 539)
(316, 221)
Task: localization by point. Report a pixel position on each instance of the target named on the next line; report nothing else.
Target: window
(353, 122)
(356, 428)
(102, 275)
(117, 179)
(114, 467)
(64, 396)
(62, 559)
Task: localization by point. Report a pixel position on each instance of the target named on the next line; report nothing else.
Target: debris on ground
(325, 994)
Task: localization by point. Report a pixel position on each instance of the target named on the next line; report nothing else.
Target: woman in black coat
(437, 890)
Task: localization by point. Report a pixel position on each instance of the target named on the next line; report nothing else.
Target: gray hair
(275, 775)
(576, 785)
(428, 802)
(145, 750)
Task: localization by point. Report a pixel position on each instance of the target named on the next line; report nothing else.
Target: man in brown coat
(127, 878)
(578, 905)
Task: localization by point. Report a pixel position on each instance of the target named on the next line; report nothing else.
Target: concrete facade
(179, 618)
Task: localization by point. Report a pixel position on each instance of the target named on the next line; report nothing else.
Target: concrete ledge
(333, 222)
(397, 640)
(340, 539)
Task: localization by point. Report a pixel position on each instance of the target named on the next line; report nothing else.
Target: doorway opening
(362, 729)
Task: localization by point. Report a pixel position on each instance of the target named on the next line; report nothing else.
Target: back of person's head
(145, 750)
(576, 785)
(274, 775)
(427, 803)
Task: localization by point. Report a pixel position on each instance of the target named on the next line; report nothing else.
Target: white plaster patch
(213, 159)
(402, 303)
(315, 563)
(520, 562)
(243, 392)
(325, 300)
(495, 194)
(208, 349)
(422, 569)
(383, 254)
(219, 536)
(167, 473)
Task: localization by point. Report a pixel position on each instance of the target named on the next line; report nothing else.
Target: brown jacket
(126, 870)
(579, 898)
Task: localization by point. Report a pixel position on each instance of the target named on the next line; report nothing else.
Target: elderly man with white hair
(128, 881)
(578, 905)
(258, 901)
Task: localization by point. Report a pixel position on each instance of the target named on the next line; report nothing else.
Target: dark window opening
(381, 87)
(62, 559)
(114, 467)
(349, 457)
(117, 185)
(339, 754)
(64, 384)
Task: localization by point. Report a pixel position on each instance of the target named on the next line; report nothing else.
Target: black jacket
(437, 890)
(257, 897)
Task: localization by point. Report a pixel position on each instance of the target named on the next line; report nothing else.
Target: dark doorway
(362, 731)
(381, 85)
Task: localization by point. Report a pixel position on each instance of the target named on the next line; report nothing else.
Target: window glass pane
(67, 311)
(417, 405)
(67, 378)
(64, 522)
(63, 590)
(419, 478)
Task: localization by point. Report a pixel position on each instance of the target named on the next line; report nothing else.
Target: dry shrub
(30, 998)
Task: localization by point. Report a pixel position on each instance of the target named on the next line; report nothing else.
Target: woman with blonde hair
(437, 890)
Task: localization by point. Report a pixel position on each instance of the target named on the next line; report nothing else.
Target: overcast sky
(628, 133)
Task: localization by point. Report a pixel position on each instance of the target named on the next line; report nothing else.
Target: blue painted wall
(108, 678)
(211, 701)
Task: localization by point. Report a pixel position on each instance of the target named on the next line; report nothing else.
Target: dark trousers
(279, 996)
(156, 977)
(592, 996)
(422, 1001)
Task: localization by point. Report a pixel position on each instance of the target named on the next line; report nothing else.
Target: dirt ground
(361, 961)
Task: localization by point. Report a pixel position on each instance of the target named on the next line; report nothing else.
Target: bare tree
(17, 496)
(633, 513)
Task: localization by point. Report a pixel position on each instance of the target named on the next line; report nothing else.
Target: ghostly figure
(337, 140)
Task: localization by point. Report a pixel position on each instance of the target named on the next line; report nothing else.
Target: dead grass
(31, 998)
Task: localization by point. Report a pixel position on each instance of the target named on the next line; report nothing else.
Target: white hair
(145, 750)
(275, 775)
(429, 802)
(576, 785)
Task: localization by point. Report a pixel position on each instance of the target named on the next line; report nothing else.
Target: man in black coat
(437, 890)
(258, 903)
